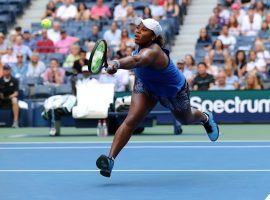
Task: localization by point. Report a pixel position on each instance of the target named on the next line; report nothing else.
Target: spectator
(20, 47)
(213, 28)
(132, 30)
(234, 28)
(203, 80)
(259, 8)
(224, 13)
(222, 83)
(181, 65)
(122, 51)
(126, 39)
(218, 53)
(64, 44)
(66, 11)
(264, 33)
(28, 40)
(227, 40)
(261, 52)
(95, 35)
(220, 21)
(210, 68)
(9, 57)
(241, 63)
(252, 82)
(171, 9)
(44, 45)
(131, 15)
(54, 33)
(54, 75)
(83, 14)
(35, 66)
(238, 13)
(90, 47)
(251, 23)
(3, 45)
(18, 30)
(9, 91)
(147, 12)
(255, 65)
(100, 11)
(120, 11)
(82, 61)
(190, 69)
(231, 79)
(113, 36)
(230, 61)
(19, 69)
(73, 56)
(12, 38)
(50, 10)
(157, 11)
(204, 39)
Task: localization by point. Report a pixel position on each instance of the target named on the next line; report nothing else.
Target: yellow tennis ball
(46, 23)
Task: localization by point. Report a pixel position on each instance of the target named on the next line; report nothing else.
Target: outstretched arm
(146, 58)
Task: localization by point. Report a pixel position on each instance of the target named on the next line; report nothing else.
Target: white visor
(151, 24)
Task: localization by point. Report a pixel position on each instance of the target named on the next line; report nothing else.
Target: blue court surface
(143, 170)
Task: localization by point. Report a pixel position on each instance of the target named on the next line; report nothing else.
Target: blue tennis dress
(160, 83)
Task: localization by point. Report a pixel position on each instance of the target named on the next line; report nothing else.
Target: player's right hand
(112, 68)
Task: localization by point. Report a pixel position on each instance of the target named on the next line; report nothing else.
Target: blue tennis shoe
(211, 127)
(105, 164)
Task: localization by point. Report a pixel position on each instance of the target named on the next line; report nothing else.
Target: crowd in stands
(231, 51)
(233, 48)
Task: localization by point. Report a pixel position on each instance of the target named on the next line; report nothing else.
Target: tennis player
(157, 79)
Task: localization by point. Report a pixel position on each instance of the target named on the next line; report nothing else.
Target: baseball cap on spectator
(235, 6)
(6, 67)
(181, 61)
(2, 35)
(85, 68)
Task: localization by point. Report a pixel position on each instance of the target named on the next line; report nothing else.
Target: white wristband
(117, 63)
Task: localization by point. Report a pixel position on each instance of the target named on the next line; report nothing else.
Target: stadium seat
(42, 91)
(63, 89)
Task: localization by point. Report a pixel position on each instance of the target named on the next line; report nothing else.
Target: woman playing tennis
(157, 79)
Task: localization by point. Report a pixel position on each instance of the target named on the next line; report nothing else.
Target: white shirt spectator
(259, 64)
(229, 41)
(120, 12)
(35, 71)
(113, 39)
(265, 55)
(157, 11)
(251, 29)
(231, 80)
(53, 35)
(66, 12)
(8, 59)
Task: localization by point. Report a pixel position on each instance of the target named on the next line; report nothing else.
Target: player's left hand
(112, 68)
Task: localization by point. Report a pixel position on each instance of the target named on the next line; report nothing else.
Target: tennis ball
(46, 23)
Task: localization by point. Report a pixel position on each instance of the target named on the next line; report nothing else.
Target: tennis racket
(98, 57)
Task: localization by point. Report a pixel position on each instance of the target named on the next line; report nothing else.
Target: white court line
(136, 170)
(138, 147)
(142, 142)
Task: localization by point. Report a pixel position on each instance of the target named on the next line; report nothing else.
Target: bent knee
(132, 121)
